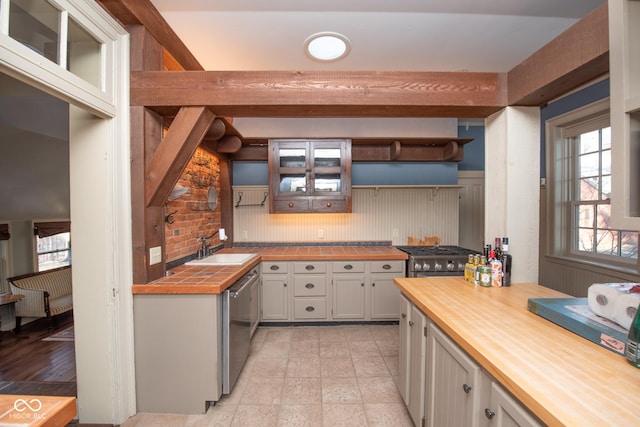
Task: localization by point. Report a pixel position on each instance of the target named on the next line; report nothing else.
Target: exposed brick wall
(193, 218)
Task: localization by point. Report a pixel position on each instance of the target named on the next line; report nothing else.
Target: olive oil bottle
(633, 342)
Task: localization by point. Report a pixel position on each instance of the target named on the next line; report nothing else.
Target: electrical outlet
(155, 255)
(395, 233)
(321, 234)
(245, 235)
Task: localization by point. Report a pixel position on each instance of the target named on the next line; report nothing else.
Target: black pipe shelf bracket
(239, 205)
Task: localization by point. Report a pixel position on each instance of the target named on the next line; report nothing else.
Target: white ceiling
(386, 35)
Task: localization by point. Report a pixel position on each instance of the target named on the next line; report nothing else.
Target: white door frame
(100, 208)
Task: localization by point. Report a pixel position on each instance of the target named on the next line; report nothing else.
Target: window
(53, 244)
(581, 190)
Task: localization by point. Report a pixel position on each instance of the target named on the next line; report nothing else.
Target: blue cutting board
(575, 315)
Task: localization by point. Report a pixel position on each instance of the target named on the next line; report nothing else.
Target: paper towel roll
(625, 309)
(602, 298)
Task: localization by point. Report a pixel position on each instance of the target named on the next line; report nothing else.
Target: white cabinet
(348, 290)
(505, 411)
(385, 295)
(412, 352)
(310, 291)
(275, 291)
(454, 386)
(624, 59)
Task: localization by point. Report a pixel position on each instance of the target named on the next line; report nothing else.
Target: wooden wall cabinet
(624, 54)
(310, 176)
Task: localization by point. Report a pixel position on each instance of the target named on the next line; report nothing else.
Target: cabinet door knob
(309, 286)
(362, 284)
(386, 267)
(373, 284)
(285, 285)
(467, 388)
(410, 322)
(404, 315)
(310, 308)
(290, 204)
(274, 267)
(309, 267)
(489, 413)
(328, 204)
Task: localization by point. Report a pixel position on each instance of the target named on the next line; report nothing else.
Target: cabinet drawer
(329, 205)
(348, 267)
(309, 267)
(310, 308)
(291, 206)
(310, 285)
(387, 266)
(274, 267)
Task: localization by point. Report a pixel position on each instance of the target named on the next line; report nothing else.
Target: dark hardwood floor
(29, 365)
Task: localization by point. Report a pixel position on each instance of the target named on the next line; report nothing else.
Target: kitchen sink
(222, 259)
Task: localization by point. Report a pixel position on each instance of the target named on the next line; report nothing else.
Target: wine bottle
(633, 341)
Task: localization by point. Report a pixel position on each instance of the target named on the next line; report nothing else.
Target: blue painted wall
(474, 151)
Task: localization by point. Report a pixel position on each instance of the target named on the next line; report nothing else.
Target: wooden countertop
(214, 280)
(45, 411)
(564, 379)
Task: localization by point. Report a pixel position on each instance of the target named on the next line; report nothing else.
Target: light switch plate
(155, 255)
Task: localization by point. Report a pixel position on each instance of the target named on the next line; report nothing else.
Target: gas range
(433, 261)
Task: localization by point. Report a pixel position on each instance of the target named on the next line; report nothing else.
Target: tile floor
(309, 376)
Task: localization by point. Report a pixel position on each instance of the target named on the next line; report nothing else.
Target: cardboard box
(574, 314)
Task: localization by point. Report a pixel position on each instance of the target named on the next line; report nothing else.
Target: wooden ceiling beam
(172, 155)
(143, 12)
(574, 58)
(323, 94)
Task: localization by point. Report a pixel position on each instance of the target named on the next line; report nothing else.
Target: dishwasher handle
(237, 288)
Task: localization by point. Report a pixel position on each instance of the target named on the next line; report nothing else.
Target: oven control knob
(417, 266)
(450, 266)
(426, 267)
(437, 266)
(461, 266)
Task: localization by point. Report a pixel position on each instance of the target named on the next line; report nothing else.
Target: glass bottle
(633, 342)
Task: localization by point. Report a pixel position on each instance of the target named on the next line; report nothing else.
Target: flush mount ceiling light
(327, 46)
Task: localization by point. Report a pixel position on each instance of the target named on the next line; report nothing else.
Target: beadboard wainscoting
(379, 213)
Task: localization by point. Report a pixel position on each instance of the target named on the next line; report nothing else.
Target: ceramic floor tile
(373, 366)
(269, 367)
(303, 367)
(304, 349)
(387, 415)
(393, 364)
(236, 394)
(259, 335)
(256, 416)
(379, 390)
(334, 349)
(343, 415)
(274, 349)
(388, 347)
(300, 416)
(155, 420)
(217, 415)
(263, 391)
(336, 367)
(383, 332)
(279, 335)
(303, 333)
(302, 391)
(330, 333)
(357, 333)
(364, 348)
(340, 390)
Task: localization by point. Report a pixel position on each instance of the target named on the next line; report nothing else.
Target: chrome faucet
(204, 250)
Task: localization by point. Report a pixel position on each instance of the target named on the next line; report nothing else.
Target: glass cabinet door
(293, 170)
(327, 169)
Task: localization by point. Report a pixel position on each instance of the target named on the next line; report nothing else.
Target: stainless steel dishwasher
(236, 329)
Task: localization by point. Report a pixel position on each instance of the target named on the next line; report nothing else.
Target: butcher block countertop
(564, 379)
(186, 279)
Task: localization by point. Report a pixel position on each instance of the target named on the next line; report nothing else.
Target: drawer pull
(309, 286)
(386, 267)
(309, 268)
(348, 267)
(489, 413)
(467, 388)
(310, 309)
(274, 268)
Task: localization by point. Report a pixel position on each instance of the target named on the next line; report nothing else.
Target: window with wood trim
(53, 244)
